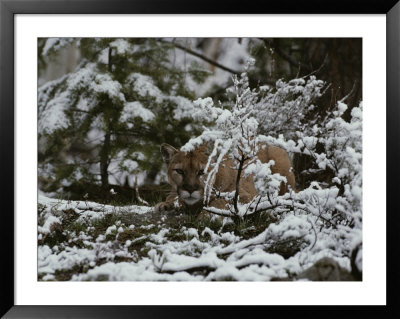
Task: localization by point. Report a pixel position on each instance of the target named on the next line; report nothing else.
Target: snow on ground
(79, 240)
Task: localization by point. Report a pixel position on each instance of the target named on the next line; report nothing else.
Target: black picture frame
(8, 10)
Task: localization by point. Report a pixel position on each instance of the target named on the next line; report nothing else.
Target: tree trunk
(105, 150)
(104, 160)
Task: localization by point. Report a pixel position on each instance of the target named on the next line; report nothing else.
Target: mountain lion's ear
(167, 151)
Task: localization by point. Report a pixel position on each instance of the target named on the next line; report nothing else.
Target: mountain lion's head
(186, 173)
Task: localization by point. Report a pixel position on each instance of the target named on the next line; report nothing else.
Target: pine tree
(104, 121)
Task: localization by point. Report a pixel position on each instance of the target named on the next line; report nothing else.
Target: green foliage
(111, 114)
(198, 73)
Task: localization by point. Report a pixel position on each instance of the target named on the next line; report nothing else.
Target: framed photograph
(163, 155)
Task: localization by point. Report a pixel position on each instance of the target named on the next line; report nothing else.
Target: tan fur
(184, 175)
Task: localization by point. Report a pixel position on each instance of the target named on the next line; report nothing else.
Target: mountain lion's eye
(179, 171)
(201, 172)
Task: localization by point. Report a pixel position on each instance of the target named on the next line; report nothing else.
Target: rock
(326, 269)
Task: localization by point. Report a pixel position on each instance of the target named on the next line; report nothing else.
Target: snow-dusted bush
(234, 135)
(283, 109)
(332, 144)
(342, 144)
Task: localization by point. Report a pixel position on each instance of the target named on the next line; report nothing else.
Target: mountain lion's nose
(190, 188)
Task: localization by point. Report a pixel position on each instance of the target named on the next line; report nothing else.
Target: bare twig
(213, 211)
(315, 233)
(137, 193)
(350, 93)
(285, 56)
(319, 69)
(236, 197)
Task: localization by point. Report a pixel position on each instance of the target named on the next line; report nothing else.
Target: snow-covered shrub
(283, 109)
(342, 154)
(334, 209)
(234, 135)
(236, 131)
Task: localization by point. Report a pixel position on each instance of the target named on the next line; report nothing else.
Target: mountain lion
(187, 176)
